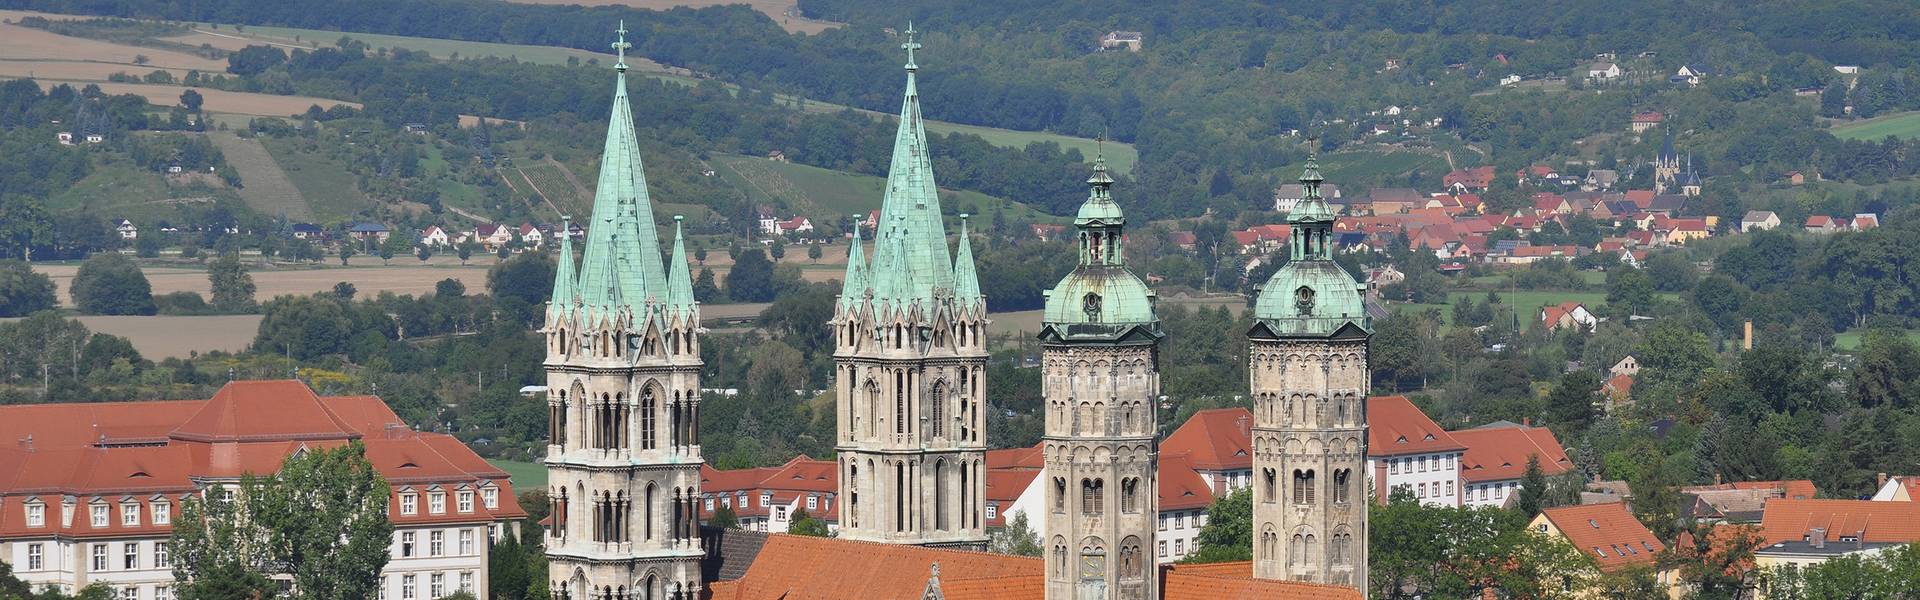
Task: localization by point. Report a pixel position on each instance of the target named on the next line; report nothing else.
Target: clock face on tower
(1093, 566)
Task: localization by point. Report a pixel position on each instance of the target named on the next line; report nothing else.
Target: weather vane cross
(910, 46)
(620, 47)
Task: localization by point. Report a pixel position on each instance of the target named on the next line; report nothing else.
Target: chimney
(1746, 341)
(1880, 479)
(1716, 479)
(1817, 538)
(1526, 421)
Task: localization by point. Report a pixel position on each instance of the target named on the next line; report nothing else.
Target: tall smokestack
(1746, 341)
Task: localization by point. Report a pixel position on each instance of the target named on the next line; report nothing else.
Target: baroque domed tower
(1101, 346)
(1309, 377)
(623, 379)
(910, 359)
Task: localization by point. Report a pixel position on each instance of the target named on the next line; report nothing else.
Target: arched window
(1092, 496)
(648, 406)
(1303, 486)
(940, 494)
(1298, 550)
(647, 518)
(1341, 485)
(1129, 495)
(1269, 482)
(939, 405)
(1059, 494)
(899, 401)
(874, 408)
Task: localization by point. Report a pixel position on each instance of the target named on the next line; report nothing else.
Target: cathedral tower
(1101, 345)
(623, 379)
(1308, 374)
(910, 360)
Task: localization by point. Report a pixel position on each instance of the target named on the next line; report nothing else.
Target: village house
(1864, 221)
(307, 231)
(767, 499)
(1496, 459)
(1219, 444)
(1568, 314)
(1475, 179)
(1690, 75)
(1759, 220)
(1740, 501)
(1046, 233)
(1645, 120)
(1618, 391)
(492, 235)
(369, 231)
(1900, 488)
(93, 489)
(774, 226)
(1407, 450)
(1603, 71)
(1289, 194)
(127, 230)
(1387, 201)
(1825, 224)
(531, 236)
(1628, 366)
(1606, 534)
(435, 237)
(1809, 532)
(1121, 39)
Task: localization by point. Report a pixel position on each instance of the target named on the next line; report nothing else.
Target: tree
(1228, 534)
(395, 245)
(1629, 292)
(1570, 404)
(704, 289)
(1888, 575)
(23, 291)
(305, 327)
(1533, 486)
(1018, 538)
(191, 100)
(751, 279)
(322, 519)
(232, 286)
(700, 255)
(344, 291)
(449, 288)
(778, 249)
(724, 518)
(423, 253)
(346, 252)
(1714, 559)
(813, 252)
(464, 250)
(111, 284)
(528, 277)
(1888, 370)
(805, 524)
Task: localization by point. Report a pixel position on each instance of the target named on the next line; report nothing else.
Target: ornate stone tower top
(1311, 295)
(1100, 300)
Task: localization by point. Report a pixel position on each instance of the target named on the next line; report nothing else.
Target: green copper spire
(564, 280)
(854, 286)
(679, 280)
(1311, 295)
(966, 284)
(910, 213)
(1100, 300)
(621, 267)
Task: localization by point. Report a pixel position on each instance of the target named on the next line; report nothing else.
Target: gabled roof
(1219, 439)
(1789, 520)
(1028, 458)
(1180, 487)
(263, 410)
(1395, 427)
(1499, 452)
(792, 567)
(1606, 533)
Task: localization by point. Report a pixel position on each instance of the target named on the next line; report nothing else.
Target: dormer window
(464, 501)
(130, 515)
(437, 502)
(1303, 300)
(162, 512)
(490, 498)
(1091, 304)
(36, 515)
(99, 514)
(409, 504)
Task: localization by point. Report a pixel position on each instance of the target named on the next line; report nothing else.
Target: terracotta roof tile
(1219, 439)
(1396, 427)
(1017, 458)
(1501, 453)
(1873, 522)
(801, 568)
(263, 410)
(1234, 581)
(1181, 487)
(1606, 533)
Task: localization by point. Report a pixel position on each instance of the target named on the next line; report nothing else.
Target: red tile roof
(1219, 439)
(1395, 427)
(1501, 453)
(263, 410)
(800, 568)
(1606, 533)
(800, 477)
(1180, 487)
(1788, 520)
(1234, 581)
(1017, 458)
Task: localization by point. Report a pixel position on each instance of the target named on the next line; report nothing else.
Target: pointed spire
(1311, 206)
(679, 281)
(621, 265)
(966, 284)
(565, 282)
(910, 213)
(855, 284)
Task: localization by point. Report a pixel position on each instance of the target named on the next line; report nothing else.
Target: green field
(1528, 301)
(1900, 125)
(438, 48)
(118, 190)
(825, 193)
(331, 191)
(1376, 165)
(1848, 341)
(1120, 157)
(526, 475)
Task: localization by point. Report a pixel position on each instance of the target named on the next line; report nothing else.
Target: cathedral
(623, 372)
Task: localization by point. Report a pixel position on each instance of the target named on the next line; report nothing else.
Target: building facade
(1406, 450)
(623, 374)
(1100, 347)
(1309, 377)
(91, 491)
(910, 361)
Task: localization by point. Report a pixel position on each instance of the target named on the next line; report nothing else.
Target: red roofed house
(1406, 449)
(1899, 488)
(1806, 532)
(1646, 120)
(1184, 239)
(1568, 314)
(1014, 487)
(1219, 444)
(766, 498)
(1865, 221)
(1824, 224)
(1619, 390)
(1469, 180)
(1496, 459)
(1606, 533)
(91, 490)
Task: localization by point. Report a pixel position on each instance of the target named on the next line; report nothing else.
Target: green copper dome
(1311, 295)
(1100, 300)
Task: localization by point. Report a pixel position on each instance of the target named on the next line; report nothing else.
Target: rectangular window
(1393, 466)
(436, 545)
(1163, 548)
(162, 513)
(409, 504)
(383, 588)
(99, 516)
(1185, 519)
(437, 585)
(726, 501)
(130, 515)
(1163, 522)
(709, 505)
(490, 498)
(100, 557)
(1180, 547)
(1423, 464)
(406, 587)
(813, 503)
(993, 511)
(161, 592)
(406, 545)
(466, 581)
(437, 504)
(464, 502)
(35, 557)
(162, 556)
(130, 593)
(1449, 489)
(130, 555)
(36, 515)
(466, 542)
(765, 499)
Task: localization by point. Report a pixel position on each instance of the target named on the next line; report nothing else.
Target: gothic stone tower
(910, 358)
(1101, 343)
(1309, 378)
(623, 374)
